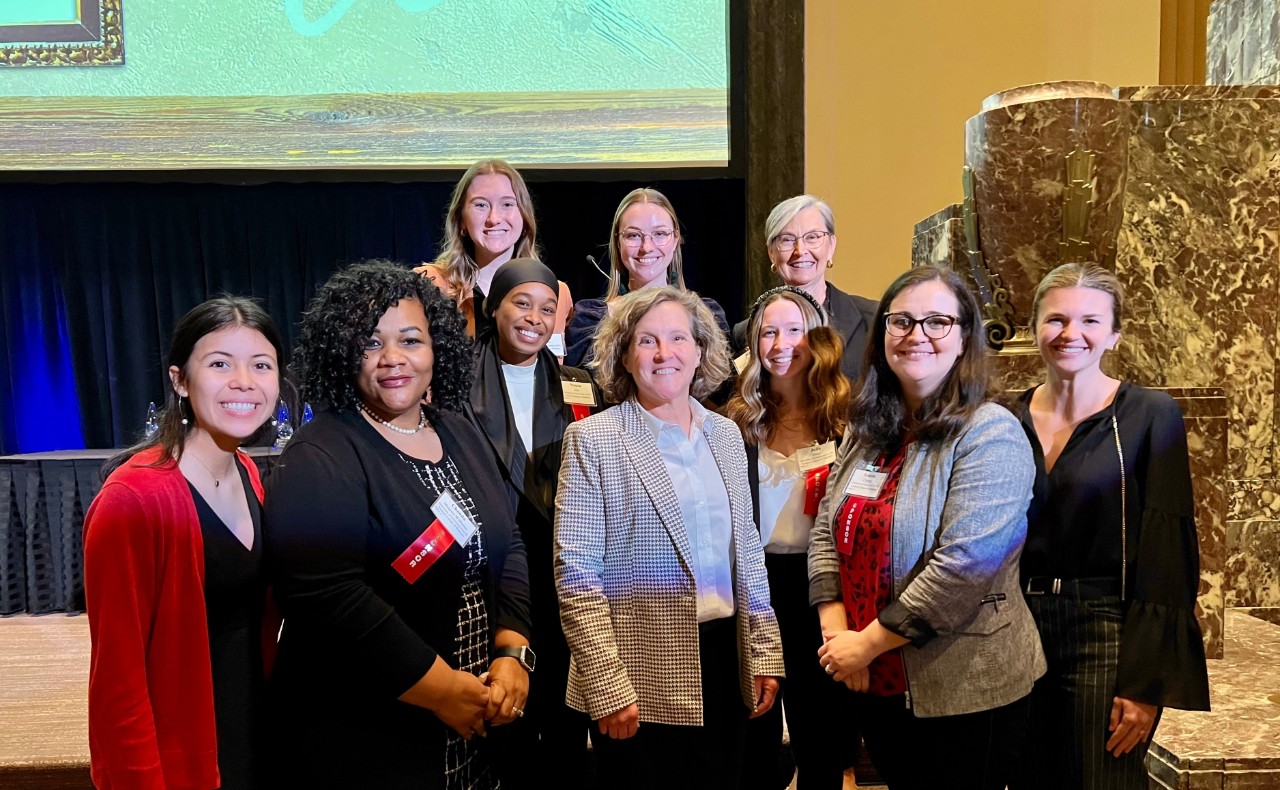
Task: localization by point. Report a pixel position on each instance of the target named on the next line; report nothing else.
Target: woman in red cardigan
(174, 582)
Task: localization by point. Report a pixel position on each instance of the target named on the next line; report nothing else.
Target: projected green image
(36, 12)
(508, 63)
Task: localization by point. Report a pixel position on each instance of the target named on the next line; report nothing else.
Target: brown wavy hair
(878, 417)
(457, 258)
(753, 406)
(618, 331)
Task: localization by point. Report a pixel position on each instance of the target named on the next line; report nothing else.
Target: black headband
(764, 297)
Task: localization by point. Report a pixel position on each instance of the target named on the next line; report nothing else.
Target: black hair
(344, 314)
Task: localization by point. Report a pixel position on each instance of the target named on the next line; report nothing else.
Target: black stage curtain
(102, 271)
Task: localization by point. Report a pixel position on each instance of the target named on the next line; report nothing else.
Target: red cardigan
(151, 722)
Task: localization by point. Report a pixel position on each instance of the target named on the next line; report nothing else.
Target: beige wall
(890, 84)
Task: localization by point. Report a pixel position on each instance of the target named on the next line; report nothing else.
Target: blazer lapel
(642, 450)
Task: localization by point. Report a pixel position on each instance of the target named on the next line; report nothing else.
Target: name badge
(556, 344)
(866, 483)
(816, 455)
(740, 361)
(455, 519)
(578, 393)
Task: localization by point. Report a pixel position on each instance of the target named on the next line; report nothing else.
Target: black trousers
(971, 751)
(819, 711)
(670, 757)
(1071, 704)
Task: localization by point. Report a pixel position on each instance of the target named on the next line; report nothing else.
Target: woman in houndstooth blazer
(661, 577)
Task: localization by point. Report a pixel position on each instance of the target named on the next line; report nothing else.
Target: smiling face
(1074, 326)
(525, 319)
(663, 356)
(922, 363)
(491, 218)
(782, 347)
(802, 266)
(647, 262)
(232, 380)
(395, 369)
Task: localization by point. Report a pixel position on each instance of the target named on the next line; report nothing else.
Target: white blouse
(784, 527)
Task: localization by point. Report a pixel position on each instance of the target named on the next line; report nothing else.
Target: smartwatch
(524, 654)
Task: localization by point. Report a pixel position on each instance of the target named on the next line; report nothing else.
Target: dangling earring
(830, 263)
(427, 397)
(184, 417)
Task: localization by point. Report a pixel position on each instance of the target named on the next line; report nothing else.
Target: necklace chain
(422, 423)
(216, 480)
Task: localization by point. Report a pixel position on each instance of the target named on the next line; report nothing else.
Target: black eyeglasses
(935, 326)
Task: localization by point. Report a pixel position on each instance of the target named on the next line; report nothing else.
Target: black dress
(343, 505)
(234, 595)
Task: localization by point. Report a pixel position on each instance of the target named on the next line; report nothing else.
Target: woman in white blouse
(791, 405)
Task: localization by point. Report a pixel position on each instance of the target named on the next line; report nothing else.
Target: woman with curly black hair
(397, 564)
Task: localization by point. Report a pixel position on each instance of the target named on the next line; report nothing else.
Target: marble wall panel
(1216, 31)
(939, 240)
(1252, 576)
(1243, 43)
(1205, 416)
(1018, 156)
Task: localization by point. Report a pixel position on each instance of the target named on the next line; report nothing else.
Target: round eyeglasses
(634, 238)
(812, 240)
(935, 326)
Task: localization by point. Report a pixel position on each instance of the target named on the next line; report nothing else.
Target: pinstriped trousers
(1071, 704)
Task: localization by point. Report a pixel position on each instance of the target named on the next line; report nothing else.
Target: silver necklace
(422, 423)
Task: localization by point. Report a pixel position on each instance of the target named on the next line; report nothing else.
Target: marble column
(1243, 43)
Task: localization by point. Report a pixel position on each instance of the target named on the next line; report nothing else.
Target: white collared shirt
(704, 507)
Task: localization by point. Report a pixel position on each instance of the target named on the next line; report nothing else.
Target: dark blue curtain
(94, 276)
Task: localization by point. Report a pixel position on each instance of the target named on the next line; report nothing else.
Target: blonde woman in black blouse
(1111, 564)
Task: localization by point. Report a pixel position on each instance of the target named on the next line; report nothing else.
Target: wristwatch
(524, 654)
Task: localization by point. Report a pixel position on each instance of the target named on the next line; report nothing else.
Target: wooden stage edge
(627, 129)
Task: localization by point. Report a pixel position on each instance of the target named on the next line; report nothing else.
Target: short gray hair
(787, 210)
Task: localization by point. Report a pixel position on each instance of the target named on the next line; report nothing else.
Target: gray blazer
(959, 522)
(624, 573)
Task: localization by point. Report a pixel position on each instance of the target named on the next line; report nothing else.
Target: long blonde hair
(753, 406)
(457, 258)
(617, 272)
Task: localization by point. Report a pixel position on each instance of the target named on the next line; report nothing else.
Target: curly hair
(618, 330)
(878, 417)
(457, 257)
(753, 406)
(346, 311)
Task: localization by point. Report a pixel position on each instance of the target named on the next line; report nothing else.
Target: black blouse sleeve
(316, 527)
(1162, 652)
(581, 332)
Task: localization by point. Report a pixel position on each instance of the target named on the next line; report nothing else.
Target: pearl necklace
(406, 431)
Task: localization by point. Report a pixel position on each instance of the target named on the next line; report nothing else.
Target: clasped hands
(624, 723)
(495, 698)
(845, 656)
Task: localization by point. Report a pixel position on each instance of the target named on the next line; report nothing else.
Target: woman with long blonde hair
(490, 221)
(791, 404)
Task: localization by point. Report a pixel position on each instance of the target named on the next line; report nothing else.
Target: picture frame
(92, 35)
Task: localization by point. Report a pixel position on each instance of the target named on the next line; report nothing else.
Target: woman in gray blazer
(663, 591)
(913, 559)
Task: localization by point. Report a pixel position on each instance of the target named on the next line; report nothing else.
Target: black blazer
(851, 316)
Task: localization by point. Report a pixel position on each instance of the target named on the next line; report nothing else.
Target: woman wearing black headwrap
(522, 400)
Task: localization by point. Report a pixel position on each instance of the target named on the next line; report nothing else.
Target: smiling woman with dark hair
(396, 560)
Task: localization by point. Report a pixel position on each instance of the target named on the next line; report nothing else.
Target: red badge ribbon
(580, 411)
(430, 546)
(815, 488)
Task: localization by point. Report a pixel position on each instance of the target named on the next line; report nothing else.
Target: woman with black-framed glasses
(645, 251)
(800, 235)
(1111, 566)
(913, 557)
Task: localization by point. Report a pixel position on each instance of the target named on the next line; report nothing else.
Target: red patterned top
(866, 572)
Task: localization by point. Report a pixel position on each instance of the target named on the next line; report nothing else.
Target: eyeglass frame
(955, 321)
(821, 234)
(671, 236)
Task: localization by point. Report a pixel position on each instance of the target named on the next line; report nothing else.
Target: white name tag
(454, 518)
(816, 456)
(866, 483)
(740, 362)
(556, 344)
(578, 393)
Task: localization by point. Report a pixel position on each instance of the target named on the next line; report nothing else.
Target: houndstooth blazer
(624, 573)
